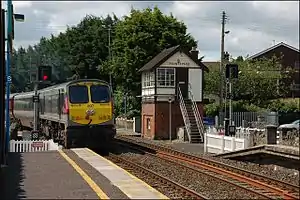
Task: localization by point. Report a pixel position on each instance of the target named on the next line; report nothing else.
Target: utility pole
(109, 55)
(224, 17)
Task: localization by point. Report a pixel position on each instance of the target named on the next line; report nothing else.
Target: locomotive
(75, 113)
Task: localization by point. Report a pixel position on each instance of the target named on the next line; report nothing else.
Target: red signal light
(45, 77)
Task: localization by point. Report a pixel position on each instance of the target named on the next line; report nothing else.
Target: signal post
(232, 71)
(44, 74)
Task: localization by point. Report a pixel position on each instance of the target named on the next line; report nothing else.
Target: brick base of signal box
(155, 119)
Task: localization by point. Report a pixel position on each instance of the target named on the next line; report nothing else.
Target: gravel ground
(277, 172)
(210, 187)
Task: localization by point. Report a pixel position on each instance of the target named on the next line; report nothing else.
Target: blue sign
(210, 121)
(9, 79)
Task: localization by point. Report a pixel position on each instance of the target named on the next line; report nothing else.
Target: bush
(212, 110)
(133, 113)
(284, 105)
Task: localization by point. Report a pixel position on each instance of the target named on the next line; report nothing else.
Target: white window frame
(147, 80)
(167, 79)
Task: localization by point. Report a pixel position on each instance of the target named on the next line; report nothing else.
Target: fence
(214, 143)
(247, 118)
(32, 146)
(133, 125)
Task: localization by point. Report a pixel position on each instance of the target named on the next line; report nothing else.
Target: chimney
(194, 53)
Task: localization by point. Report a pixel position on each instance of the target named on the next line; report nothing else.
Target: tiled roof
(166, 53)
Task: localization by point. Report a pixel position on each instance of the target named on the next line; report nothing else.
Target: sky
(253, 25)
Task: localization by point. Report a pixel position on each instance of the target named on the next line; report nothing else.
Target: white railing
(197, 115)
(184, 114)
(32, 146)
(221, 144)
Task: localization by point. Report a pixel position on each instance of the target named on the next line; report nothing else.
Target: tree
(88, 45)
(240, 59)
(140, 37)
(260, 80)
(212, 81)
(257, 82)
(84, 50)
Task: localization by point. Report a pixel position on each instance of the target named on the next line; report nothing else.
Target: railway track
(255, 183)
(170, 188)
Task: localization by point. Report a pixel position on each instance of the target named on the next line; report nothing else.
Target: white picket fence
(216, 142)
(32, 146)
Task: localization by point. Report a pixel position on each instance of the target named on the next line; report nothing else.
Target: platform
(285, 156)
(276, 150)
(69, 174)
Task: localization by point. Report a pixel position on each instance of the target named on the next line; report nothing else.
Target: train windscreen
(78, 94)
(100, 94)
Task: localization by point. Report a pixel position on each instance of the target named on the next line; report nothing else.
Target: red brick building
(174, 75)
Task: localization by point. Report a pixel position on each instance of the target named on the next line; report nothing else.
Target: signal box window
(166, 77)
(100, 94)
(78, 94)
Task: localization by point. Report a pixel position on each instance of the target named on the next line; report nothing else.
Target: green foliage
(277, 105)
(284, 105)
(138, 38)
(83, 52)
(212, 109)
(212, 81)
(257, 81)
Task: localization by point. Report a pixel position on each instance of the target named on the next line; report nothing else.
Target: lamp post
(170, 118)
(10, 29)
(8, 77)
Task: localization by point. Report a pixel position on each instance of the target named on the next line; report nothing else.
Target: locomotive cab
(91, 109)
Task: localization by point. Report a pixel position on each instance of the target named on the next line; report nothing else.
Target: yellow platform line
(132, 176)
(86, 177)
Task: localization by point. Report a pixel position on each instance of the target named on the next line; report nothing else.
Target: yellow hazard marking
(132, 176)
(86, 177)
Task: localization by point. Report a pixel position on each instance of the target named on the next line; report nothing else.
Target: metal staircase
(191, 117)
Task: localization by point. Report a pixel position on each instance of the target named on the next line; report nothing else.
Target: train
(74, 113)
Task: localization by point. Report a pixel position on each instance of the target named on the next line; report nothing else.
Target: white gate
(32, 146)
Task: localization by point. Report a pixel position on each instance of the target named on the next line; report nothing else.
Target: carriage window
(100, 93)
(78, 94)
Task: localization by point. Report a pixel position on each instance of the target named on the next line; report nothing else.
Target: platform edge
(131, 175)
(85, 176)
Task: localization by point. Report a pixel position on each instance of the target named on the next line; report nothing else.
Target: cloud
(253, 25)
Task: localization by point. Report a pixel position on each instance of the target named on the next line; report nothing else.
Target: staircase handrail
(198, 117)
(184, 114)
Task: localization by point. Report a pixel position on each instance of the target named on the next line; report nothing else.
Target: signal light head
(44, 73)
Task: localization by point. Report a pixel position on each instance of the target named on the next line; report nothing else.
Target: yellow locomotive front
(90, 114)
